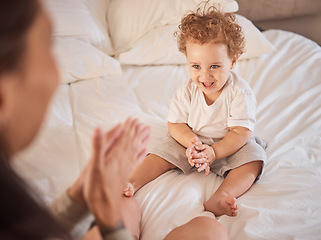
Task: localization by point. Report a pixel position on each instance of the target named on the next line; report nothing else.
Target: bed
(126, 64)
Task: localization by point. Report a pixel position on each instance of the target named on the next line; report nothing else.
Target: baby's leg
(152, 167)
(236, 183)
(199, 228)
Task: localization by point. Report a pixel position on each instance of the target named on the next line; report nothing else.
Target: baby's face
(209, 66)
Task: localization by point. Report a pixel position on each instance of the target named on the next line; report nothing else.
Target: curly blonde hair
(210, 25)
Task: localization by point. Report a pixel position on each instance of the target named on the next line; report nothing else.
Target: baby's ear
(233, 62)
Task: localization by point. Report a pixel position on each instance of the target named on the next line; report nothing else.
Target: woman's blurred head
(28, 74)
(28, 77)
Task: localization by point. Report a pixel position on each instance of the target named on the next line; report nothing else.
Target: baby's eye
(214, 66)
(196, 66)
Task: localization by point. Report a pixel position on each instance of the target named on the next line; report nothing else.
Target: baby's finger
(202, 167)
(199, 160)
(191, 162)
(189, 157)
(200, 147)
(198, 155)
(194, 151)
(197, 165)
(189, 152)
(207, 170)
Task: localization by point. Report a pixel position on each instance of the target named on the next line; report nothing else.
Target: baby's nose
(206, 75)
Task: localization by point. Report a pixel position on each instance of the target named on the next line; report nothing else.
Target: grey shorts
(170, 150)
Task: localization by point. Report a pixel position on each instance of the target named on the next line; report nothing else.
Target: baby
(212, 116)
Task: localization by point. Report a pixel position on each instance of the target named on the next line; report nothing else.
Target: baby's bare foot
(129, 190)
(222, 203)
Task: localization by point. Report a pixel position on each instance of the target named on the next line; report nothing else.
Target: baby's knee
(256, 167)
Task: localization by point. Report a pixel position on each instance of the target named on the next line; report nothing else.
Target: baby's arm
(236, 138)
(182, 133)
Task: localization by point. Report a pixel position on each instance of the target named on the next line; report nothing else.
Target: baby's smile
(208, 85)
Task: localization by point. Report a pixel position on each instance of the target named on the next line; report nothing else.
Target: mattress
(283, 204)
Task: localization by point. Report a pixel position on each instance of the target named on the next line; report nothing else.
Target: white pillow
(159, 46)
(129, 20)
(81, 19)
(256, 44)
(79, 60)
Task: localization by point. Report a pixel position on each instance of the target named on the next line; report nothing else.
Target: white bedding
(284, 204)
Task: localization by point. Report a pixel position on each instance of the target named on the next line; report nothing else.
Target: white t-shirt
(236, 106)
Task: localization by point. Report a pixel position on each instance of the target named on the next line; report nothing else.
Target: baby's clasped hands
(200, 155)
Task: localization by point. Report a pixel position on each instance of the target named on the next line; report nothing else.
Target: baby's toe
(129, 190)
(128, 193)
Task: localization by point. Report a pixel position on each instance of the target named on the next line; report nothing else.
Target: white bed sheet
(284, 204)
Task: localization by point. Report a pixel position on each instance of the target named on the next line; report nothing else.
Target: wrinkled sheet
(283, 204)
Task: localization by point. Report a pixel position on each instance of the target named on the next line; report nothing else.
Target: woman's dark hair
(21, 217)
(16, 17)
